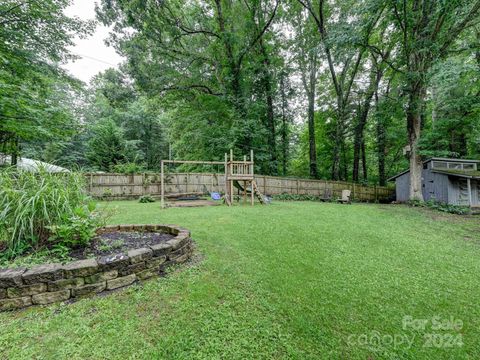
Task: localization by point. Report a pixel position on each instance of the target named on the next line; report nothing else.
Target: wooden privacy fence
(127, 186)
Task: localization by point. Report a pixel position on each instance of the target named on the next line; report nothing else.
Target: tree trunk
(284, 145)
(359, 148)
(381, 146)
(267, 79)
(357, 141)
(375, 77)
(272, 131)
(337, 147)
(344, 165)
(14, 153)
(284, 126)
(364, 161)
(310, 87)
(311, 134)
(414, 126)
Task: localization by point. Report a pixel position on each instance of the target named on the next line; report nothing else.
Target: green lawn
(289, 280)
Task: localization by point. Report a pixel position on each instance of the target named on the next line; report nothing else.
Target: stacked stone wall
(49, 283)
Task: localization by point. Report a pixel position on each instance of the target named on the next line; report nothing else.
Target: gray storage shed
(451, 181)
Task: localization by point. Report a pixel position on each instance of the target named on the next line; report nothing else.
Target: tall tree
(426, 31)
(197, 51)
(455, 106)
(344, 59)
(286, 93)
(34, 37)
(138, 118)
(108, 146)
(377, 69)
(305, 47)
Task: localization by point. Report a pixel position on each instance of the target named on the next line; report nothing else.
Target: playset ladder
(257, 192)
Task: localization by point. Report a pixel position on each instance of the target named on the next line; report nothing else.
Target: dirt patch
(193, 203)
(442, 216)
(472, 239)
(433, 214)
(118, 242)
(469, 224)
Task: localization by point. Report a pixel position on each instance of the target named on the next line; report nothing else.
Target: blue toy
(215, 196)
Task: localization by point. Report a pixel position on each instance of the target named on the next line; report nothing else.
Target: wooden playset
(238, 174)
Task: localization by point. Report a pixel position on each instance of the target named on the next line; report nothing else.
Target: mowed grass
(290, 280)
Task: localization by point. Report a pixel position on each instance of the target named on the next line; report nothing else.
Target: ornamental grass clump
(43, 209)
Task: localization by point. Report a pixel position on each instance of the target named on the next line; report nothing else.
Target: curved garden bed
(49, 283)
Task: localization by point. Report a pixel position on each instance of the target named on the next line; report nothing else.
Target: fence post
(376, 192)
(354, 192)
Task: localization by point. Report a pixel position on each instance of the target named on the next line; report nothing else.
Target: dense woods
(342, 90)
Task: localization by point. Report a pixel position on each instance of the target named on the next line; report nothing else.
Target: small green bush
(107, 193)
(295, 197)
(440, 206)
(42, 208)
(76, 229)
(146, 199)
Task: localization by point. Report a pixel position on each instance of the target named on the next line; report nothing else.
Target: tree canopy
(343, 90)
(35, 93)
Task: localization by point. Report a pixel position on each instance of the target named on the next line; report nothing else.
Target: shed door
(477, 200)
(463, 198)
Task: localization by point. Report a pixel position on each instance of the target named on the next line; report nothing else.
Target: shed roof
(437, 170)
(452, 160)
(470, 174)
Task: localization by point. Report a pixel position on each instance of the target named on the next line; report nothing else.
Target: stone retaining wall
(49, 283)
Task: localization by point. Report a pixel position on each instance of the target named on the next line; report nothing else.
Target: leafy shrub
(41, 208)
(146, 199)
(295, 197)
(440, 206)
(107, 193)
(76, 229)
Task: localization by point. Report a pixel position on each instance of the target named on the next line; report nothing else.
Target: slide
(240, 187)
(263, 199)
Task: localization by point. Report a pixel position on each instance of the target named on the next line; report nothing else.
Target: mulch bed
(119, 242)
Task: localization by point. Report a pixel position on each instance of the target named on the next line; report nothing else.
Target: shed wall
(475, 192)
(454, 196)
(434, 186)
(440, 187)
(402, 187)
